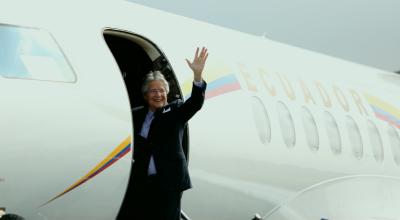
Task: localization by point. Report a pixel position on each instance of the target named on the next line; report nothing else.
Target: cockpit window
(29, 53)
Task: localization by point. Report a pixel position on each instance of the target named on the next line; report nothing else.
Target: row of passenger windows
(331, 127)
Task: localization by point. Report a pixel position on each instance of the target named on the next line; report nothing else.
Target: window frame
(60, 50)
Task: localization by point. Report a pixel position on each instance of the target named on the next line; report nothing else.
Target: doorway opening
(136, 56)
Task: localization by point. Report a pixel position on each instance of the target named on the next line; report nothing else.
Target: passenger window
(261, 120)
(355, 137)
(29, 53)
(287, 125)
(310, 129)
(375, 141)
(332, 130)
(395, 143)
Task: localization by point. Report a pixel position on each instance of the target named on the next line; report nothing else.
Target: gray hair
(153, 76)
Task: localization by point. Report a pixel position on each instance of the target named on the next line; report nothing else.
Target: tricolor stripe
(384, 110)
(222, 85)
(114, 156)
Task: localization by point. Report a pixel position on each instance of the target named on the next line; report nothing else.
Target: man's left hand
(198, 63)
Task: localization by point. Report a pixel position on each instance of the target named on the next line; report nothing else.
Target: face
(156, 96)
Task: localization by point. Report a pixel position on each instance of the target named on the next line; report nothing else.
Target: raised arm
(196, 100)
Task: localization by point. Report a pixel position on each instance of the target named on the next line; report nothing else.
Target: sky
(362, 31)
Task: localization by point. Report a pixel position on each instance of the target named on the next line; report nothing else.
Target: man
(159, 172)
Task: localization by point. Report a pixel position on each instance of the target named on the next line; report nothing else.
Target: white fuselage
(284, 132)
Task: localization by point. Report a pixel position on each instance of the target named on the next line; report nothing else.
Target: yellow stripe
(109, 157)
(383, 105)
(103, 162)
(212, 73)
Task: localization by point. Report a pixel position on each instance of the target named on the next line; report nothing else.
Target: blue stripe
(391, 117)
(226, 80)
(222, 81)
(116, 157)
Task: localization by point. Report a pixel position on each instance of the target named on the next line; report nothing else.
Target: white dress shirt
(198, 84)
(144, 133)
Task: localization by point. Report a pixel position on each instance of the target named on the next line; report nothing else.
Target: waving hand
(198, 63)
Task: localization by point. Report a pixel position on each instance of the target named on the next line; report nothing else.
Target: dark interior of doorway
(134, 63)
(136, 56)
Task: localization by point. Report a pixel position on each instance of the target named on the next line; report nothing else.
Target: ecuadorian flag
(216, 87)
(384, 110)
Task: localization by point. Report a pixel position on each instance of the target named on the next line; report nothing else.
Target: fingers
(196, 54)
(199, 59)
(188, 62)
(202, 55)
(203, 52)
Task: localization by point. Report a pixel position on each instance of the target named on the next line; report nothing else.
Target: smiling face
(156, 95)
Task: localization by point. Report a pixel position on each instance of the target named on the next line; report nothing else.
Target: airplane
(284, 134)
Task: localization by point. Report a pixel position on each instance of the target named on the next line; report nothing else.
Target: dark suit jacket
(164, 142)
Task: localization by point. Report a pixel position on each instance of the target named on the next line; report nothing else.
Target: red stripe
(115, 159)
(224, 89)
(97, 172)
(385, 118)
